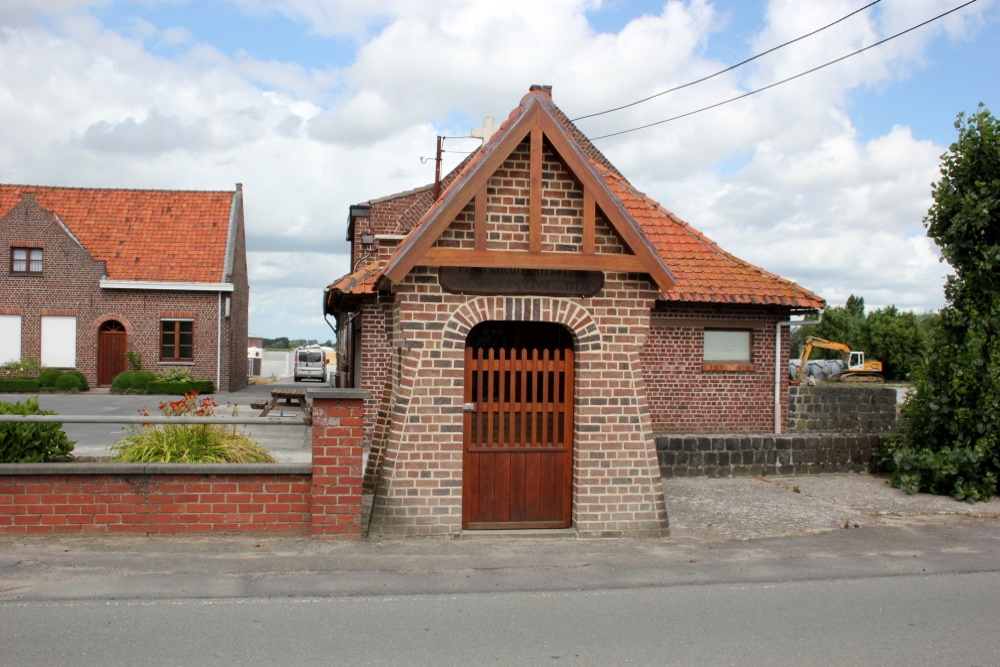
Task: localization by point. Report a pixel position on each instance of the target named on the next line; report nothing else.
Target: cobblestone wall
(841, 409)
(754, 455)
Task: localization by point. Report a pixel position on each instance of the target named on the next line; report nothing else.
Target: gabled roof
(535, 118)
(144, 235)
(686, 265)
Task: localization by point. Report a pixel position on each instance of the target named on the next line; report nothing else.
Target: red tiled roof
(704, 272)
(154, 235)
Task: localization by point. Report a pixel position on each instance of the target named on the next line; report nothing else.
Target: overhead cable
(791, 78)
(730, 68)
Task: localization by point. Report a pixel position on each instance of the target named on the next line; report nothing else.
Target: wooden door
(518, 435)
(112, 341)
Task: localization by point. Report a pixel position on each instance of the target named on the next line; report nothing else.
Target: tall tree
(950, 432)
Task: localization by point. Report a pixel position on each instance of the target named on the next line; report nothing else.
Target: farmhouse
(527, 326)
(88, 274)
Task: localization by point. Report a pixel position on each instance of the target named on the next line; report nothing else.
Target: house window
(726, 349)
(176, 340)
(26, 260)
(59, 341)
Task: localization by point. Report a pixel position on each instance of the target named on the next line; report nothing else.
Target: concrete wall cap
(343, 394)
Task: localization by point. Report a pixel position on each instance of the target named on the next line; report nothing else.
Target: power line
(731, 67)
(791, 78)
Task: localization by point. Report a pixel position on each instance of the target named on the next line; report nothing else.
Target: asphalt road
(943, 619)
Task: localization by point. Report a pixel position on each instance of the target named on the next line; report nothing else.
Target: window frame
(177, 344)
(731, 362)
(29, 260)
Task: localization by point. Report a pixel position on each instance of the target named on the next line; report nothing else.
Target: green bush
(67, 382)
(84, 385)
(174, 387)
(32, 443)
(24, 368)
(140, 381)
(18, 384)
(47, 378)
(122, 383)
(174, 375)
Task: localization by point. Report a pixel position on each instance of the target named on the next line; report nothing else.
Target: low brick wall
(840, 408)
(322, 498)
(754, 455)
(154, 498)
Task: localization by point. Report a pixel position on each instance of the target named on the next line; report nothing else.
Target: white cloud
(782, 179)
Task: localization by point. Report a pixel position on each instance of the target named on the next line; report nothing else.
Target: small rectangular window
(726, 346)
(26, 260)
(176, 340)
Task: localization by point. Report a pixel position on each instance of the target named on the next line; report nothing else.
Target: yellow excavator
(855, 368)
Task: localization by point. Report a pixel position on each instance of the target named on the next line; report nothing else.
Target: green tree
(950, 432)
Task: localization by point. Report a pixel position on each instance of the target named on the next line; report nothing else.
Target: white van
(310, 364)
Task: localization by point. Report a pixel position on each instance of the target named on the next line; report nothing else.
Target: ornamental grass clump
(188, 443)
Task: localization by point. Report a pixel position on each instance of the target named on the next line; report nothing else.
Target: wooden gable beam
(535, 191)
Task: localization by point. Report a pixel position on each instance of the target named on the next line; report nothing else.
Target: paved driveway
(288, 443)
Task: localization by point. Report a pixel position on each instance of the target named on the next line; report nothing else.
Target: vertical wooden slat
(501, 398)
(589, 215)
(546, 406)
(524, 397)
(479, 228)
(534, 440)
(488, 440)
(535, 192)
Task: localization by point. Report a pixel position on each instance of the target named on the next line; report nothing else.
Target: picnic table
(291, 399)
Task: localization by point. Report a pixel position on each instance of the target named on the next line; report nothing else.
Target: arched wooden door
(518, 428)
(112, 341)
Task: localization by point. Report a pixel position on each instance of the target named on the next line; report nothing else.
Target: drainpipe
(218, 351)
(777, 362)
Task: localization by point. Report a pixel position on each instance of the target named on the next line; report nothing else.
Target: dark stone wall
(836, 408)
(754, 455)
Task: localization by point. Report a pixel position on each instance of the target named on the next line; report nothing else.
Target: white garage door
(10, 338)
(59, 341)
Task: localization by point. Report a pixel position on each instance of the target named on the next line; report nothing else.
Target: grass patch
(188, 443)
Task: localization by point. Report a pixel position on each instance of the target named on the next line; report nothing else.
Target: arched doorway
(518, 426)
(112, 341)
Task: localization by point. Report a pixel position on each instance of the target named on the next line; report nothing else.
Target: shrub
(47, 378)
(182, 387)
(67, 382)
(188, 443)
(140, 381)
(18, 384)
(174, 375)
(24, 368)
(84, 385)
(134, 359)
(32, 443)
(122, 383)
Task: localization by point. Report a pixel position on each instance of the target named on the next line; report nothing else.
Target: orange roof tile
(704, 272)
(154, 235)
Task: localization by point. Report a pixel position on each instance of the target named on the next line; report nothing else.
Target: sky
(314, 105)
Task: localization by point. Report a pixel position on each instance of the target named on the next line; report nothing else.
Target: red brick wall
(144, 503)
(685, 396)
(157, 498)
(70, 283)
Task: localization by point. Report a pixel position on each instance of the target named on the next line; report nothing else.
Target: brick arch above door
(577, 319)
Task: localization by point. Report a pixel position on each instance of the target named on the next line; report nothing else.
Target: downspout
(777, 363)
(218, 351)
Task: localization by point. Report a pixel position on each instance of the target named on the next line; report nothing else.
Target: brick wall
(687, 395)
(322, 499)
(69, 284)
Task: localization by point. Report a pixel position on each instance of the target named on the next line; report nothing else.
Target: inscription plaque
(542, 282)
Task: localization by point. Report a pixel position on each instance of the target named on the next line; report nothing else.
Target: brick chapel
(527, 326)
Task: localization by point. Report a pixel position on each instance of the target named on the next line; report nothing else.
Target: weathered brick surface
(337, 443)
(69, 285)
(688, 396)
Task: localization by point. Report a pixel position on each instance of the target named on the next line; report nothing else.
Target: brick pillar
(337, 464)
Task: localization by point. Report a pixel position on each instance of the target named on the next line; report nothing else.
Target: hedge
(181, 388)
(18, 384)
